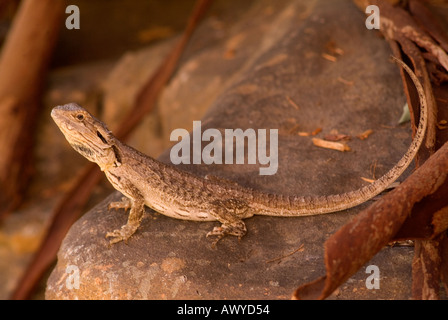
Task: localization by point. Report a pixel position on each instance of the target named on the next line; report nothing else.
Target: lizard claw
(117, 236)
(217, 231)
(130, 227)
(237, 229)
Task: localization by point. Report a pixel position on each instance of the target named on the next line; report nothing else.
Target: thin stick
(287, 255)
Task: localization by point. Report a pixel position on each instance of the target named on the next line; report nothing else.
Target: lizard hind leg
(230, 213)
(237, 229)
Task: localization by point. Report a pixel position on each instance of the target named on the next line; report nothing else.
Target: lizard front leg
(135, 218)
(230, 213)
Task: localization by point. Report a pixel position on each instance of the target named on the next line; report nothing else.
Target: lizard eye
(80, 116)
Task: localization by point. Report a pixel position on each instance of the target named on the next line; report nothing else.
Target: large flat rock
(276, 75)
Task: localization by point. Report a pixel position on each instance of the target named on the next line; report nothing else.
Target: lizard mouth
(58, 117)
(54, 114)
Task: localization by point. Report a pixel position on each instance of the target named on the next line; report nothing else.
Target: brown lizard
(182, 195)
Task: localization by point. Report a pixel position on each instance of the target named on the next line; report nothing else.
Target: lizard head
(87, 135)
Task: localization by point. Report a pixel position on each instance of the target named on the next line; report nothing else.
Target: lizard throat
(111, 155)
(86, 152)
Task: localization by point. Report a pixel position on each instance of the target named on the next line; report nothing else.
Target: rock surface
(273, 69)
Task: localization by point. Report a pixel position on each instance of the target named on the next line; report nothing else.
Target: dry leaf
(337, 137)
(347, 82)
(331, 145)
(307, 134)
(442, 125)
(365, 134)
(329, 57)
(333, 48)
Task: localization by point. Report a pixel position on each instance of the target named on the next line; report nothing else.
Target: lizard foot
(237, 229)
(116, 236)
(134, 220)
(122, 234)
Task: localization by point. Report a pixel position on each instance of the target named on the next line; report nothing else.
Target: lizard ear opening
(101, 137)
(104, 135)
(117, 156)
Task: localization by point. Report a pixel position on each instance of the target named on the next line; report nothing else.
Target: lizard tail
(282, 205)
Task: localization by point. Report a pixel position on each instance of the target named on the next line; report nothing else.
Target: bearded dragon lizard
(182, 195)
